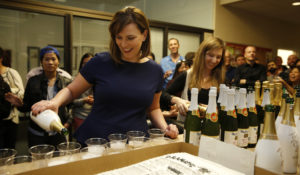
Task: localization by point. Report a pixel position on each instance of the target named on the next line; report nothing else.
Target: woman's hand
(44, 105)
(181, 104)
(172, 131)
(13, 99)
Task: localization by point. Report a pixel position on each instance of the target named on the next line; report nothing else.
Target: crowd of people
(119, 90)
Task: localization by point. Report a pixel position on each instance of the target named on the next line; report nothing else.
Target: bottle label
(253, 109)
(243, 137)
(212, 116)
(243, 111)
(252, 135)
(195, 137)
(232, 113)
(230, 137)
(196, 113)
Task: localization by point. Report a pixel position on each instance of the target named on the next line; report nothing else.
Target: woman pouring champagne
(127, 85)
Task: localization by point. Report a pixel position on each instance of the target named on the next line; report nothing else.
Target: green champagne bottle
(222, 113)
(252, 116)
(231, 123)
(212, 127)
(192, 124)
(243, 121)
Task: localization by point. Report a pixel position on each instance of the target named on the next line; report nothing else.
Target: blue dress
(122, 95)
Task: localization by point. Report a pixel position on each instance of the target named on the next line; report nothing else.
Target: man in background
(248, 73)
(169, 62)
(240, 60)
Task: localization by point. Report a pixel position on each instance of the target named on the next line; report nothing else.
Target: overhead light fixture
(296, 3)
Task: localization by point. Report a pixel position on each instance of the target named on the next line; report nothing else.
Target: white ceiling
(278, 9)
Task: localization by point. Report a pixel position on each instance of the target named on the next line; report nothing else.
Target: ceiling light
(296, 3)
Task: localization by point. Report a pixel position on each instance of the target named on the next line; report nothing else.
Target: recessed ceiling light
(296, 3)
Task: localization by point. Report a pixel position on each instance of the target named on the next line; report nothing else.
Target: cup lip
(120, 136)
(41, 145)
(89, 141)
(157, 131)
(139, 134)
(17, 157)
(14, 153)
(78, 146)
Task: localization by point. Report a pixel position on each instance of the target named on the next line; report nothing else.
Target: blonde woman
(208, 70)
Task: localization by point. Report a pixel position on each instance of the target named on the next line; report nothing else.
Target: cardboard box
(105, 163)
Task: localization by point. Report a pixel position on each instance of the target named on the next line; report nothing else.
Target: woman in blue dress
(127, 84)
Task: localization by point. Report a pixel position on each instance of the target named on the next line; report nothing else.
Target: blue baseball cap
(48, 49)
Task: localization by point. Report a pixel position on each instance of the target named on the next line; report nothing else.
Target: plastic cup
(117, 142)
(20, 164)
(136, 138)
(69, 147)
(6, 154)
(58, 158)
(156, 133)
(41, 153)
(86, 153)
(96, 146)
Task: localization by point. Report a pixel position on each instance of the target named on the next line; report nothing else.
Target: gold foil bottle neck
(257, 93)
(278, 94)
(288, 118)
(269, 131)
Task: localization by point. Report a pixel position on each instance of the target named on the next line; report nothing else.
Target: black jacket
(37, 90)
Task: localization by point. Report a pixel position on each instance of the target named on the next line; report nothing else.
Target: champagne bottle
(243, 121)
(297, 104)
(252, 116)
(49, 121)
(223, 112)
(231, 125)
(265, 100)
(212, 127)
(258, 101)
(192, 124)
(267, 148)
(282, 108)
(277, 98)
(287, 135)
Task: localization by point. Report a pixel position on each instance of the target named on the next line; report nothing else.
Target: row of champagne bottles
(237, 116)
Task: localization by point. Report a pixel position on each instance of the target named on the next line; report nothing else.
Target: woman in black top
(208, 70)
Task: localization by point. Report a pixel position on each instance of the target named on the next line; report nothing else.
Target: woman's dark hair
(86, 55)
(6, 57)
(128, 15)
(176, 72)
(153, 56)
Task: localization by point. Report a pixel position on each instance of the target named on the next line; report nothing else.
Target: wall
(236, 26)
(196, 13)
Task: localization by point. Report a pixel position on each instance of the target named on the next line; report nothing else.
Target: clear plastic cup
(86, 153)
(69, 147)
(156, 133)
(117, 142)
(41, 153)
(136, 138)
(6, 154)
(20, 164)
(58, 158)
(96, 146)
